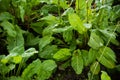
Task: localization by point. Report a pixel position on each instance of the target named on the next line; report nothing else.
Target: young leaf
(95, 68)
(105, 76)
(76, 23)
(95, 41)
(77, 62)
(62, 54)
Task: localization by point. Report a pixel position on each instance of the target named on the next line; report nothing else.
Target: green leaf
(92, 55)
(31, 40)
(6, 69)
(37, 27)
(31, 69)
(80, 4)
(14, 78)
(22, 13)
(76, 23)
(77, 62)
(85, 57)
(9, 28)
(17, 59)
(108, 53)
(95, 68)
(48, 52)
(111, 35)
(17, 41)
(5, 16)
(68, 35)
(105, 61)
(105, 76)
(28, 53)
(50, 19)
(46, 69)
(95, 41)
(62, 54)
(45, 41)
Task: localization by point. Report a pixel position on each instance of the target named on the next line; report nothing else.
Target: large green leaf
(45, 41)
(31, 69)
(48, 52)
(77, 62)
(46, 70)
(92, 55)
(5, 16)
(106, 60)
(108, 53)
(17, 41)
(95, 68)
(109, 34)
(9, 28)
(62, 54)
(85, 57)
(76, 23)
(105, 76)
(31, 40)
(95, 41)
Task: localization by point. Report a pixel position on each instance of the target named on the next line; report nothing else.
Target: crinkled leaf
(77, 62)
(76, 23)
(105, 76)
(95, 68)
(95, 41)
(62, 54)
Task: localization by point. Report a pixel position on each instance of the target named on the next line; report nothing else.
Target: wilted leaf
(77, 62)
